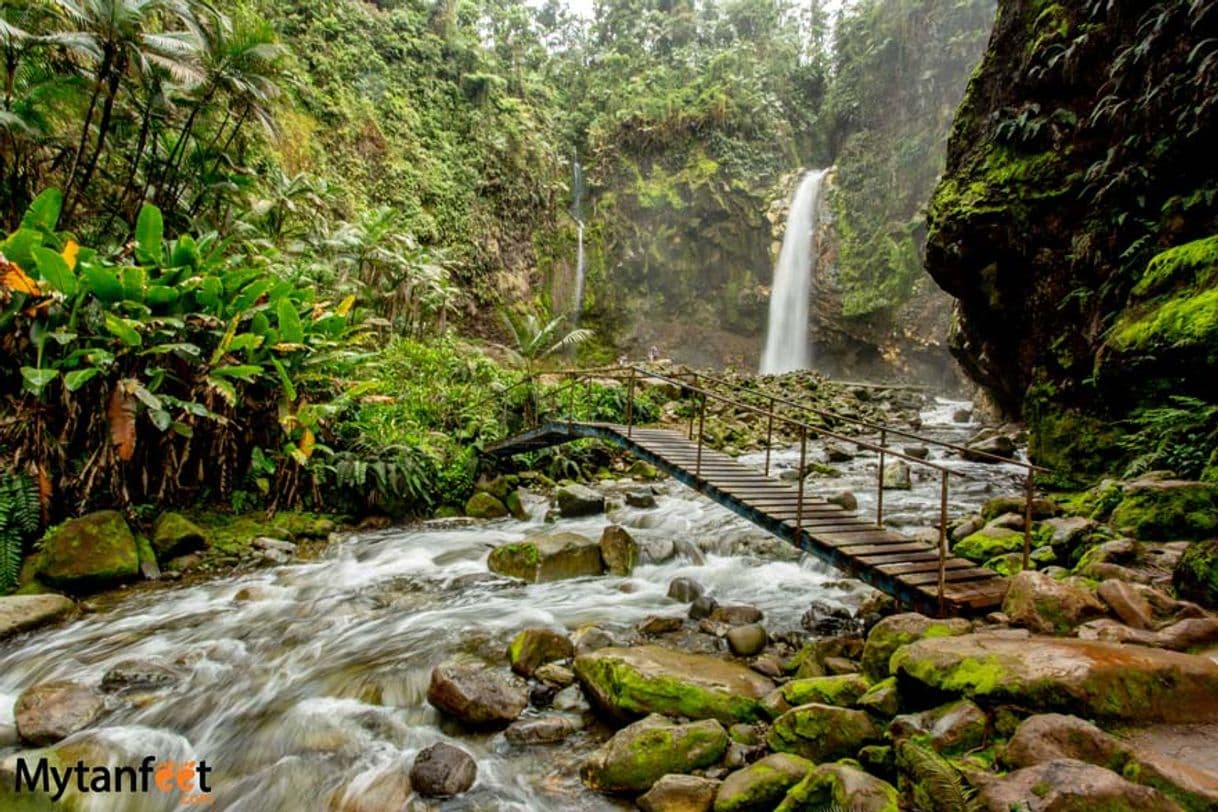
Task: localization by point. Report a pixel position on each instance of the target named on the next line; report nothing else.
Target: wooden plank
(914, 567)
(955, 576)
(899, 558)
(857, 552)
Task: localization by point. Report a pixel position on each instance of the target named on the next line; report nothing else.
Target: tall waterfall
(786, 340)
(577, 196)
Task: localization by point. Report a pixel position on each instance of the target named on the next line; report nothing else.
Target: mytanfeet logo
(190, 778)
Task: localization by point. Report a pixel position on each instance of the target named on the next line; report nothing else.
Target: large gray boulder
(20, 613)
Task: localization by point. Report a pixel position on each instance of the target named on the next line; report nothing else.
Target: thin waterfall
(786, 340)
(577, 196)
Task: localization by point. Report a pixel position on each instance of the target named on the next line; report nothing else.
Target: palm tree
(537, 335)
(125, 34)
(240, 60)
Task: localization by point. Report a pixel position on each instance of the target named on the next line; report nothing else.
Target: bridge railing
(694, 385)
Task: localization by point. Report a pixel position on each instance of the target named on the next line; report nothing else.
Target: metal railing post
(630, 405)
(942, 540)
(769, 437)
(803, 461)
(571, 381)
(1028, 488)
(691, 411)
(879, 490)
(701, 433)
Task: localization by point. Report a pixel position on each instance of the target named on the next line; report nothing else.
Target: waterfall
(577, 196)
(786, 340)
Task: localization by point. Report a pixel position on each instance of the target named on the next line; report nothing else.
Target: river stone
(747, 641)
(93, 552)
(882, 700)
(654, 625)
(629, 682)
(1066, 785)
(842, 690)
(577, 500)
(533, 648)
(20, 613)
(842, 786)
(542, 730)
(988, 542)
(1167, 509)
(442, 771)
(146, 674)
(846, 500)
(736, 615)
(895, 631)
(476, 695)
(50, 711)
(1054, 736)
(997, 446)
(897, 476)
(702, 607)
(762, 785)
(619, 552)
(173, 534)
(641, 754)
(952, 728)
(547, 558)
(1100, 680)
(1196, 575)
(514, 503)
(483, 505)
(641, 498)
(822, 732)
(685, 590)
(555, 674)
(997, 506)
(679, 793)
(1048, 606)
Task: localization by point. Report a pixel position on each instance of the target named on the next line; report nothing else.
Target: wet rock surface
(442, 771)
(50, 711)
(477, 695)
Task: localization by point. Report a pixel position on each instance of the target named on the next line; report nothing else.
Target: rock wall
(1082, 151)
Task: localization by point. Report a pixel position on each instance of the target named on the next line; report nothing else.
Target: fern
(1179, 437)
(20, 518)
(939, 786)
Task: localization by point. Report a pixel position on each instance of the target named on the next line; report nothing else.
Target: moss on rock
(89, 553)
(762, 785)
(842, 785)
(483, 505)
(1196, 575)
(988, 543)
(639, 755)
(173, 534)
(898, 630)
(548, 558)
(819, 732)
(842, 690)
(1168, 510)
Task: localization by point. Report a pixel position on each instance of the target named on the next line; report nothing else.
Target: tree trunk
(103, 129)
(102, 72)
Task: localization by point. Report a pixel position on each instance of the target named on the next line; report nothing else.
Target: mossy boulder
(1196, 576)
(578, 500)
(822, 732)
(1066, 785)
(548, 558)
(515, 505)
(1166, 510)
(1041, 508)
(619, 550)
(1046, 605)
(84, 555)
(883, 699)
(988, 542)
(533, 648)
(1095, 679)
(641, 754)
(173, 534)
(630, 682)
(761, 786)
(952, 728)
(898, 630)
(842, 786)
(842, 690)
(483, 505)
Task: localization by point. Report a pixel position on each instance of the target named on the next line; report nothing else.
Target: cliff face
(1083, 150)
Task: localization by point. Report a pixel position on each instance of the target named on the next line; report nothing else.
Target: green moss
(988, 543)
(88, 553)
(232, 534)
(1196, 576)
(1076, 446)
(820, 732)
(636, 694)
(641, 754)
(842, 690)
(761, 785)
(483, 505)
(972, 677)
(1168, 512)
(841, 785)
(174, 534)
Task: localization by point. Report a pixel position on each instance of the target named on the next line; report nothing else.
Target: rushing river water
(304, 686)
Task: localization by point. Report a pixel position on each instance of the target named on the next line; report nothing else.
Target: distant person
(653, 354)
(622, 360)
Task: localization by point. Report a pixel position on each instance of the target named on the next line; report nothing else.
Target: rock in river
(841, 786)
(630, 682)
(577, 500)
(533, 648)
(822, 732)
(680, 793)
(19, 613)
(50, 711)
(641, 754)
(761, 786)
(619, 552)
(899, 630)
(1072, 786)
(441, 771)
(477, 695)
(548, 558)
(1101, 680)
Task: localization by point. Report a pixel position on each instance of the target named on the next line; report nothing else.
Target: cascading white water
(786, 340)
(579, 274)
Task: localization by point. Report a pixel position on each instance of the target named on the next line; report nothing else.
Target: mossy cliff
(1074, 223)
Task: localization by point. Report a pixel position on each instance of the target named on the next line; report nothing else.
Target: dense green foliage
(20, 518)
(901, 71)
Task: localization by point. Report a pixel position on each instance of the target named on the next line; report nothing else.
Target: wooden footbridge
(920, 575)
